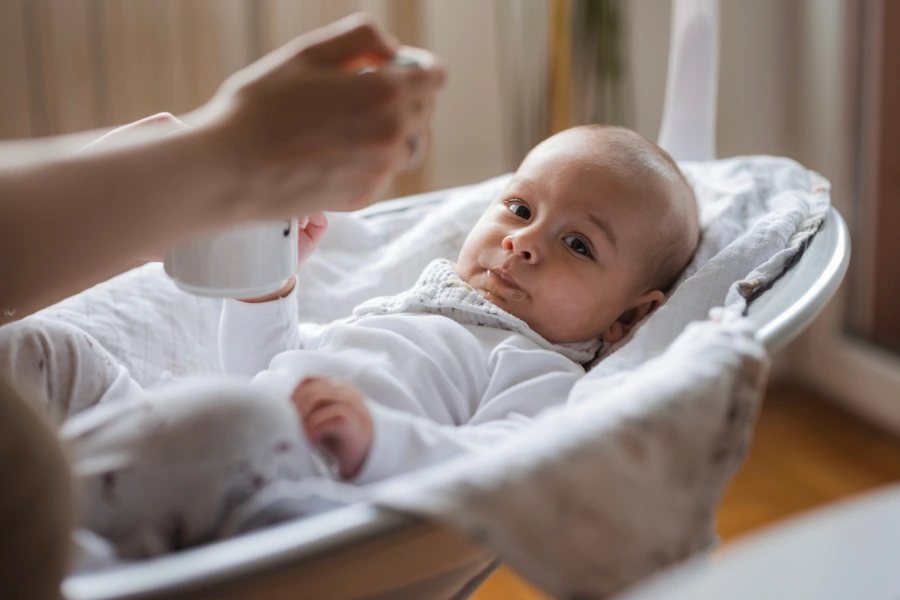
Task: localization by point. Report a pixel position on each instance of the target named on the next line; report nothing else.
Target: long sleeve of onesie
(523, 383)
(252, 334)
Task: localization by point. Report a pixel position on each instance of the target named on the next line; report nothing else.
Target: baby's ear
(631, 317)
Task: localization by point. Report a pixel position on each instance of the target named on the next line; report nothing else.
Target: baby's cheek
(558, 309)
(476, 244)
(574, 311)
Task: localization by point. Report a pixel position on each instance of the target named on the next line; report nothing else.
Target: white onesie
(443, 370)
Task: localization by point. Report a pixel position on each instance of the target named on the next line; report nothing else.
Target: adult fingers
(418, 98)
(349, 40)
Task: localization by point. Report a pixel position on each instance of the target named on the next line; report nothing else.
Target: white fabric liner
(757, 213)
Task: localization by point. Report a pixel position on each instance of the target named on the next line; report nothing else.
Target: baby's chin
(492, 288)
(515, 302)
(517, 310)
(519, 307)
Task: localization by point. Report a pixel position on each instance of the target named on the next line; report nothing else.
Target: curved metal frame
(804, 290)
(311, 551)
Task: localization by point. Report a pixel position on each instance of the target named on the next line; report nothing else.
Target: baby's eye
(519, 209)
(578, 245)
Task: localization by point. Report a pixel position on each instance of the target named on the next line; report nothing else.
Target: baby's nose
(524, 246)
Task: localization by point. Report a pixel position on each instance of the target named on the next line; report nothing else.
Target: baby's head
(587, 237)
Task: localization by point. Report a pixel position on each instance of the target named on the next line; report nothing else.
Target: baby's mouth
(504, 286)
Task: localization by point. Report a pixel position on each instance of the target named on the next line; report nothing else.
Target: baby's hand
(308, 239)
(336, 420)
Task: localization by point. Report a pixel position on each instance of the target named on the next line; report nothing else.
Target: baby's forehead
(598, 153)
(616, 147)
(581, 175)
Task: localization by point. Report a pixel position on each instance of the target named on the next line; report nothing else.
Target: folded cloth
(623, 481)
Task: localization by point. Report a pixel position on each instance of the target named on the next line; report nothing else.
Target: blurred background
(814, 80)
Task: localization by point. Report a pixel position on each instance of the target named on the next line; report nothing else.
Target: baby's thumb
(316, 227)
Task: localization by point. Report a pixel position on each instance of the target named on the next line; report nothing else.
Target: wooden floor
(806, 453)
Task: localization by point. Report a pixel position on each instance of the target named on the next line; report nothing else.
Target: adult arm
(292, 134)
(71, 222)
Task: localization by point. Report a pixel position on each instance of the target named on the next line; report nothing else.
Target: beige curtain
(561, 63)
(599, 90)
(71, 65)
(560, 51)
(526, 69)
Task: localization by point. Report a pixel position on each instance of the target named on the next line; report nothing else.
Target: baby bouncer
(774, 250)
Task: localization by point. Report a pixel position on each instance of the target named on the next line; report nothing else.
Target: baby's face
(564, 246)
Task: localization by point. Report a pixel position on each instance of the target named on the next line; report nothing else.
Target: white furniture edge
(843, 550)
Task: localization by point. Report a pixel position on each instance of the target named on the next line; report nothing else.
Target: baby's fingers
(310, 393)
(314, 392)
(316, 227)
(338, 431)
(317, 220)
(328, 421)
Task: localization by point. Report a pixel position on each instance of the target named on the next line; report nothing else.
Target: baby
(581, 245)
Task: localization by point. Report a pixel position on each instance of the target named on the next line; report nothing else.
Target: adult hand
(306, 132)
(298, 132)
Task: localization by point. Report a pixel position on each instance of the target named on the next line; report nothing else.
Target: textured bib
(440, 291)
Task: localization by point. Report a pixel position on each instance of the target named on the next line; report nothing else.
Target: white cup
(256, 259)
(250, 260)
